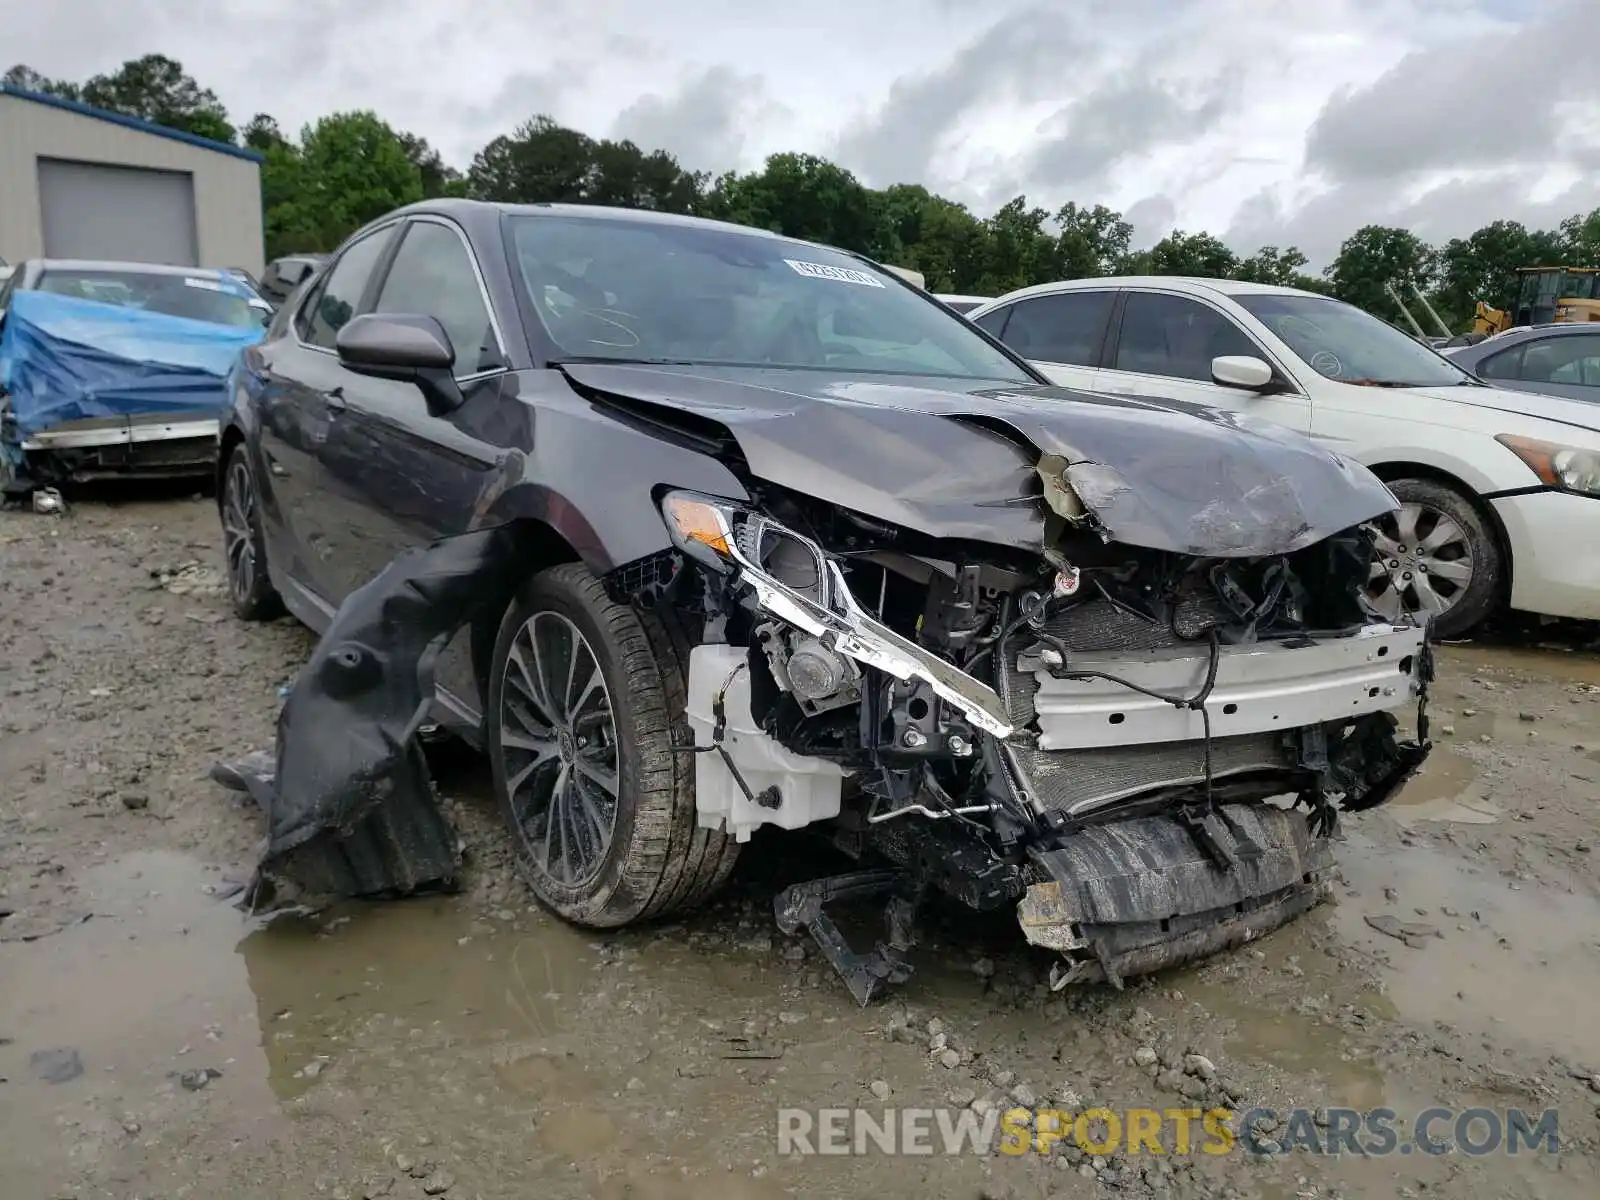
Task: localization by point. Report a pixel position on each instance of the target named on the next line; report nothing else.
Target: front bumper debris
(350, 804)
(1139, 895)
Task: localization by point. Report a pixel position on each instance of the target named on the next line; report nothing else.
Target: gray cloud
(1152, 218)
(1489, 101)
(1129, 116)
(706, 123)
(1451, 209)
(901, 142)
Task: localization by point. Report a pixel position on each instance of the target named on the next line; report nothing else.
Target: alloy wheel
(1422, 562)
(238, 530)
(558, 748)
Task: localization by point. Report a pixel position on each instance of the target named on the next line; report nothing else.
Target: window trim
(477, 273)
(1109, 322)
(1521, 351)
(380, 269)
(1109, 357)
(1507, 353)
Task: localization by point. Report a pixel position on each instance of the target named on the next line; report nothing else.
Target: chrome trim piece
(68, 438)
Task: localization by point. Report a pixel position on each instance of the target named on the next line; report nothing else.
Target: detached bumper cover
(1140, 895)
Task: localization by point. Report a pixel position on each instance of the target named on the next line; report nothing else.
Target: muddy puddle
(1479, 940)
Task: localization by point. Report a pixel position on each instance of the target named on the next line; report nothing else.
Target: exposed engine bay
(1145, 751)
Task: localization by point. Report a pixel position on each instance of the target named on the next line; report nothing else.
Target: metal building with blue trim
(80, 182)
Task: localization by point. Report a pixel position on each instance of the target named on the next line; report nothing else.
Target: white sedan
(1499, 491)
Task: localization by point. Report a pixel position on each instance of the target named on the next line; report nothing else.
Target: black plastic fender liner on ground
(350, 805)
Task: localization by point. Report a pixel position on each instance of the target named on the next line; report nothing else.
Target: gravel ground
(154, 1043)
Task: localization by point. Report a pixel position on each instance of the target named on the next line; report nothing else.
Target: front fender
(594, 480)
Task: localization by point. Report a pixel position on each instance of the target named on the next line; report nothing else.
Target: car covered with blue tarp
(117, 368)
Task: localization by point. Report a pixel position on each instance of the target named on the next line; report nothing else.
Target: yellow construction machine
(1545, 296)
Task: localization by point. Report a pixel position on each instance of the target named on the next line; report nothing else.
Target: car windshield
(653, 291)
(197, 297)
(1344, 343)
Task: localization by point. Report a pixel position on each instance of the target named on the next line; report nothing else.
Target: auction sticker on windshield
(837, 274)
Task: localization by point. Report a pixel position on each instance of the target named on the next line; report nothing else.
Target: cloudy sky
(1264, 121)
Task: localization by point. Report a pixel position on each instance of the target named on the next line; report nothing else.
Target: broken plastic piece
(350, 804)
(864, 974)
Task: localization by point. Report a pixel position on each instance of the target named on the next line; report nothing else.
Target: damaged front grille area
(1094, 742)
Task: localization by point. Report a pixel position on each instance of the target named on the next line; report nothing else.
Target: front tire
(586, 698)
(1436, 557)
(245, 546)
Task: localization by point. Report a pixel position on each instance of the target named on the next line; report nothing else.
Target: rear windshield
(631, 291)
(197, 297)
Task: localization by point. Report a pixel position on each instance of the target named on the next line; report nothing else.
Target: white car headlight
(1566, 467)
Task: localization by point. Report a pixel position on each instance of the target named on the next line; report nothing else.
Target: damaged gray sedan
(697, 529)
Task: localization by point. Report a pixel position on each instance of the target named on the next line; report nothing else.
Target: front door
(1061, 333)
(1164, 346)
(301, 402)
(414, 475)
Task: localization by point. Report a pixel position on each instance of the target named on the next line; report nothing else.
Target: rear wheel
(252, 593)
(1435, 558)
(585, 699)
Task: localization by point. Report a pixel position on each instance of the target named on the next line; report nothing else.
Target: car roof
(91, 264)
(1189, 284)
(1518, 335)
(474, 211)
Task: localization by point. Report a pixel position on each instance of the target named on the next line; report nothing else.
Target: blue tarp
(65, 359)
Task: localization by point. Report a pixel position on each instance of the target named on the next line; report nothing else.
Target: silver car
(1555, 360)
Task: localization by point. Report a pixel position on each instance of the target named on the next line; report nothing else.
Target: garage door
(125, 214)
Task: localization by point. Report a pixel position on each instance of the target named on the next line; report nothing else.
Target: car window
(621, 289)
(201, 296)
(1064, 328)
(432, 274)
(1565, 360)
(337, 298)
(1176, 337)
(1340, 341)
(994, 323)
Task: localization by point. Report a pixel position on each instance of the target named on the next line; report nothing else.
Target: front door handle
(336, 400)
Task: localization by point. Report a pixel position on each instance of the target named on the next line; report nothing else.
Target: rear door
(1557, 365)
(1061, 334)
(1163, 348)
(404, 475)
(302, 396)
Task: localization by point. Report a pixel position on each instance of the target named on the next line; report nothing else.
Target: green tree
(1192, 254)
(261, 134)
(1093, 240)
(438, 177)
(156, 88)
(1377, 255)
(1021, 251)
(351, 168)
(25, 77)
(1272, 265)
(805, 196)
(1579, 241)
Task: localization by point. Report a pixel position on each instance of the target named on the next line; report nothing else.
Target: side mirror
(403, 346)
(1241, 371)
(293, 274)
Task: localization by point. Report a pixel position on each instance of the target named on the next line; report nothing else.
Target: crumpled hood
(957, 458)
(1578, 413)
